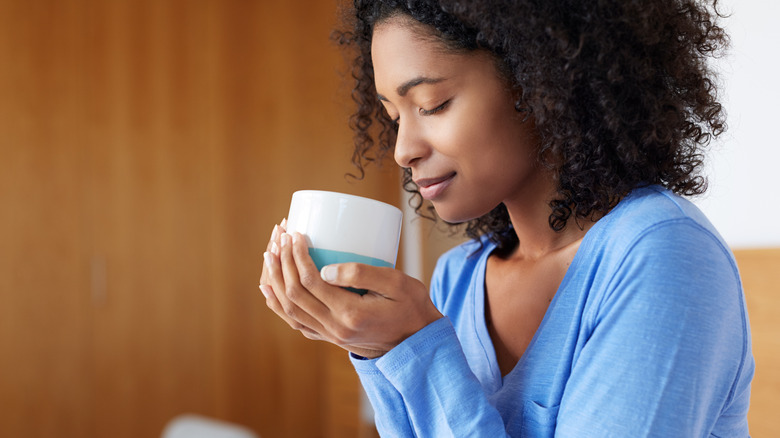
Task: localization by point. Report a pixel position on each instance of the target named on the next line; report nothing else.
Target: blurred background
(148, 147)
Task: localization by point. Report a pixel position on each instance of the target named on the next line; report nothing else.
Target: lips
(431, 188)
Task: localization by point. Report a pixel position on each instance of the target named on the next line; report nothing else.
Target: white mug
(343, 228)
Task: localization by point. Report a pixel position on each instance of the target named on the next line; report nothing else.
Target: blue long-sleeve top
(647, 335)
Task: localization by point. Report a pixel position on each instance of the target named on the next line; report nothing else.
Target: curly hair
(620, 91)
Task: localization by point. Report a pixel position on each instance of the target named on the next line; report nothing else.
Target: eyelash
(423, 112)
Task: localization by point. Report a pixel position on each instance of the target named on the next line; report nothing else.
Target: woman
(593, 300)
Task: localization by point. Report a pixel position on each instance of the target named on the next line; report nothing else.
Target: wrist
(365, 354)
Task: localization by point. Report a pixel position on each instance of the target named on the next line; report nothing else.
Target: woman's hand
(395, 307)
(272, 246)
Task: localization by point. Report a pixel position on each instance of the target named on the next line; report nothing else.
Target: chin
(456, 216)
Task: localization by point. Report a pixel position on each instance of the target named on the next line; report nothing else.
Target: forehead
(415, 29)
(402, 48)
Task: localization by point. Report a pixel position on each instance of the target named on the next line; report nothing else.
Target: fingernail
(296, 237)
(275, 233)
(328, 273)
(274, 248)
(265, 291)
(285, 239)
(267, 259)
(284, 223)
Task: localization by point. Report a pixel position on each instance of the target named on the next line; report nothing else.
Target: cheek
(490, 142)
(460, 135)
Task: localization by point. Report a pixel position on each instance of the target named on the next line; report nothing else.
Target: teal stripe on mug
(324, 257)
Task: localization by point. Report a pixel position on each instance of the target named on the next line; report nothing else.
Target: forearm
(424, 387)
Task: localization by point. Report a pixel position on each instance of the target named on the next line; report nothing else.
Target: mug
(341, 228)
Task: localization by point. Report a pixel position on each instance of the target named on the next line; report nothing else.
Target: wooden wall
(147, 147)
(760, 271)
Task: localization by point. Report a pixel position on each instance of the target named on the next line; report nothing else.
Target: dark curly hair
(620, 91)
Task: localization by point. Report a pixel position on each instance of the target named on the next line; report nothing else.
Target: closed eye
(425, 112)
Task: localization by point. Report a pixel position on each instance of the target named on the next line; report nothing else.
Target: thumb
(330, 274)
(357, 275)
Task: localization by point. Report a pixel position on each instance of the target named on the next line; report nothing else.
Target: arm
(421, 384)
(390, 415)
(442, 396)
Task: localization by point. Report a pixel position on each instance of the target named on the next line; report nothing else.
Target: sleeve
(671, 334)
(390, 413)
(442, 396)
(424, 386)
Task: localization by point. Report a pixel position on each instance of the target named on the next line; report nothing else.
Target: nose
(410, 145)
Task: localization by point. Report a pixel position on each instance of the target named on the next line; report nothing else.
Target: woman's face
(467, 147)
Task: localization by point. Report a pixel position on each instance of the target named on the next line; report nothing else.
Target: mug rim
(348, 195)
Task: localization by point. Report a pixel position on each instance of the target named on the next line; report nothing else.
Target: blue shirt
(647, 335)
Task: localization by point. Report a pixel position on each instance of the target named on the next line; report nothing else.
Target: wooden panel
(148, 148)
(152, 155)
(44, 281)
(284, 128)
(760, 271)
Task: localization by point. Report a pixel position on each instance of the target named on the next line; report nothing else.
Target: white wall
(744, 197)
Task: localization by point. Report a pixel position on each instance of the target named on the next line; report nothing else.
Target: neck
(529, 213)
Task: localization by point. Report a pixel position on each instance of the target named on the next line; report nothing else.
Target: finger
(291, 293)
(329, 296)
(279, 304)
(333, 326)
(272, 247)
(274, 242)
(379, 280)
(273, 304)
(301, 276)
(273, 301)
(274, 237)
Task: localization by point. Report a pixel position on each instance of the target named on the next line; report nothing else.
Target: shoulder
(655, 216)
(648, 205)
(659, 250)
(656, 246)
(658, 270)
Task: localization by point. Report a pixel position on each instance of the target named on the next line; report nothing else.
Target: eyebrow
(408, 85)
